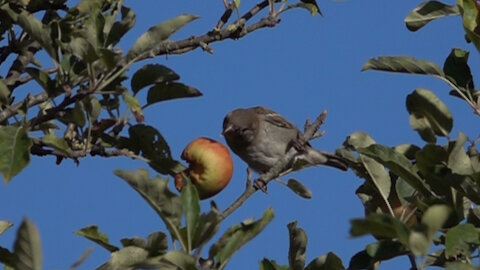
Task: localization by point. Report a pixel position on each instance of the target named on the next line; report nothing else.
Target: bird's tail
(315, 157)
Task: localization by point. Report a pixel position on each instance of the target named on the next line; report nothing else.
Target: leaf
(14, 151)
(427, 12)
(237, 236)
(58, 144)
(127, 258)
(155, 191)
(93, 234)
(403, 64)
(154, 147)
(7, 258)
(152, 74)
(92, 107)
(208, 225)
(419, 243)
(386, 249)
(379, 176)
(299, 188)
(267, 264)
(43, 79)
(83, 49)
(134, 105)
(434, 218)
(85, 8)
(158, 33)
(458, 71)
(408, 150)
(380, 225)
(36, 29)
(191, 208)
(458, 160)
(157, 243)
(4, 225)
(424, 105)
(120, 28)
(4, 93)
(469, 10)
(359, 140)
(461, 240)
(172, 90)
(27, 247)
(330, 261)
(180, 260)
(397, 163)
(460, 266)
(298, 246)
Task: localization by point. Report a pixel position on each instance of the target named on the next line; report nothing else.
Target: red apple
(210, 166)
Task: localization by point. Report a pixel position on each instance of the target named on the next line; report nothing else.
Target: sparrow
(261, 137)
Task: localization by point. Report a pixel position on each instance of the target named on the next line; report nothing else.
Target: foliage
(421, 201)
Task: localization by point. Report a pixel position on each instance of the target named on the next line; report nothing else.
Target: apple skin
(210, 166)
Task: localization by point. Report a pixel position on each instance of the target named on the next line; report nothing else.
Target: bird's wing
(273, 117)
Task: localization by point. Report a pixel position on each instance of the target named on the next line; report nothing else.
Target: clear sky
(302, 66)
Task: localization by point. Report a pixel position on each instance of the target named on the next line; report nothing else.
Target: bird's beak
(227, 130)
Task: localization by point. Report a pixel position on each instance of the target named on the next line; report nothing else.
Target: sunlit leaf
(134, 105)
(27, 247)
(155, 191)
(380, 225)
(435, 217)
(460, 266)
(397, 163)
(330, 261)
(237, 236)
(158, 33)
(469, 9)
(425, 106)
(428, 11)
(267, 264)
(180, 260)
(458, 160)
(36, 29)
(379, 176)
(359, 140)
(4, 93)
(4, 225)
(403, 64)
(419, 243)
(386, 249)
(152, 74)
(208, 225)
(121, 27)
(298, 246)
(58, 144)
(157, 243)
(93, 234)
(14, 151)
(461, 240)
(191, 208)
(299, 188)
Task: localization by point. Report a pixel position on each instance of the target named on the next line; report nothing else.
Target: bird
(261, 137)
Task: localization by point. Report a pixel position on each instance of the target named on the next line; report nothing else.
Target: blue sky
(302, 66)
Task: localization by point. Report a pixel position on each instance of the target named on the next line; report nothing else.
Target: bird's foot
(260, 184)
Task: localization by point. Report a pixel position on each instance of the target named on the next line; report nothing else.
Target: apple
(210, 166)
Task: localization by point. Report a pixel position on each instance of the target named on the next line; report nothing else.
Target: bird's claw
(260, 184)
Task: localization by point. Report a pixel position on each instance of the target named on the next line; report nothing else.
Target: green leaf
(397, 164)
(330, 261)
(4, 225)
(126, 258)
(191, 207)
(386, 249)
(14, 151)
(134, 241)
(92, 107)
(27, 247)
(267, 264)
(299, 188)
(379, 176)
(157, 243)
(154, 147)
(152, 74)
(4, 93)
(359, 140)
(36, 29)
(237, 236)
(158, 33)
(458, 160)
(403, 64)
(171, 90)
(461, 240)
(155, 191)
(298, 246)
(58, 144)
(180, 260)
(458, 71)
(434, 218)
(93, 234)
(85, 8)
(419, 243)
(469, 10)
(380, 225)
(134, 105)
(408, 150)
(208, 225)
(83, 49)
(425, 106)
(8, 259)
(427, 12)
(120, 28)
(460, 266)
(43, 79)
